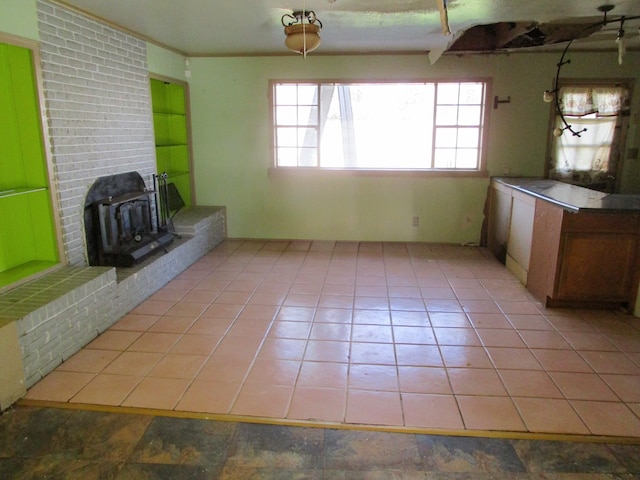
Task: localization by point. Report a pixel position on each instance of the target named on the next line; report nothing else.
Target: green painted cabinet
(28, 240)
(171, 134)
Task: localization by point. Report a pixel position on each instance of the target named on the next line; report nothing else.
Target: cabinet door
(520, 234)
(499, 219)
(597, 266)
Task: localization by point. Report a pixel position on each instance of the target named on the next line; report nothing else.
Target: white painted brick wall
(98, 102)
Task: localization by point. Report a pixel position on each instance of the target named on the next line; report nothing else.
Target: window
(431, 126)
(599, 112)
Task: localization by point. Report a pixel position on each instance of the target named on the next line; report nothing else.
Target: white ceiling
(253, 27)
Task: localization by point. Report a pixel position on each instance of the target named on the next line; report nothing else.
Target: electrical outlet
(416, 221)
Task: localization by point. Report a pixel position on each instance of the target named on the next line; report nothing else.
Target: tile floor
(395, 334)
(38, 443)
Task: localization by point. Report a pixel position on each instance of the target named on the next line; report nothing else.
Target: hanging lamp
(302, 29)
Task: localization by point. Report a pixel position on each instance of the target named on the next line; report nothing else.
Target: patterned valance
(603, 101)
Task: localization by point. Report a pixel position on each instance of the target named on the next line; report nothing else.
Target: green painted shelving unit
(28, 241)
(171, 135)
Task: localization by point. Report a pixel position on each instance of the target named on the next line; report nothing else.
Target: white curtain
(586, 159)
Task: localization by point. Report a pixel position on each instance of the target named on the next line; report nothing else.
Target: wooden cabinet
(584, 259)
(565, 257)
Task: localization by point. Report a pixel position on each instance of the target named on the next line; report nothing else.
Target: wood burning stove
(120, 226)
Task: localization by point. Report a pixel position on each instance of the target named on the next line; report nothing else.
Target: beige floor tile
(529, 322)
(431, 380)
(89, 360)
(318, 404)
(544, 339)
(223, 311)
(529, 383)
(456, 336)
(331, 331)
(627, 387)
(135, 322)
(59, 386)
(114, 340)
(154, 307)
(608, 418)
(107, 389)
(561, 361)
(133, 363)
(192, 344)
(154, 342)
(476, 381)
(273, 371)
(289, 329)
(178, 366)
(550, 416)
(161, 393)
(419, 335)
(583, 386)
(367, 333)
(513, 358)
(249, 328)
(210, 326)
(449, 319)
(489, 320)
(464, 356)
(520, 308)
(171, 324)
(327, 351)
(479, 306)
(431, 411)
(373, 377)
(410, 319)
(283, 348)
(499, 337)
(589, 341)
(187, 309)
(611, 362)
(490, 413)
(199, 296)
(209, 397)
(373, 408)
(372, 333)
(323, 375)
(342, 302)
(374, 353)
(417, 355)
(258, 312)
(333, 315)
(263, 400)
(224, 369)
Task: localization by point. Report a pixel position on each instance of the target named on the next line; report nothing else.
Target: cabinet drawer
(600, 222)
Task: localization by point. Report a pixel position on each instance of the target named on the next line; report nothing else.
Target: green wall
(230, 113)
(18, 17)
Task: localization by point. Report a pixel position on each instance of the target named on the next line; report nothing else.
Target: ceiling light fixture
(302, 29)
(552, 95)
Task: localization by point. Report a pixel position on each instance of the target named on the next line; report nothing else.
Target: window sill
(362, 172)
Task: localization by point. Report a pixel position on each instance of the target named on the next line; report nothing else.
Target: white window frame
(429, 170)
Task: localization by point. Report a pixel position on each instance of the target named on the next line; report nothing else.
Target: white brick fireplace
(99, 123)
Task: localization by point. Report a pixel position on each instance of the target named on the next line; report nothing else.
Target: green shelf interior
(171, 136)
(28, 242)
